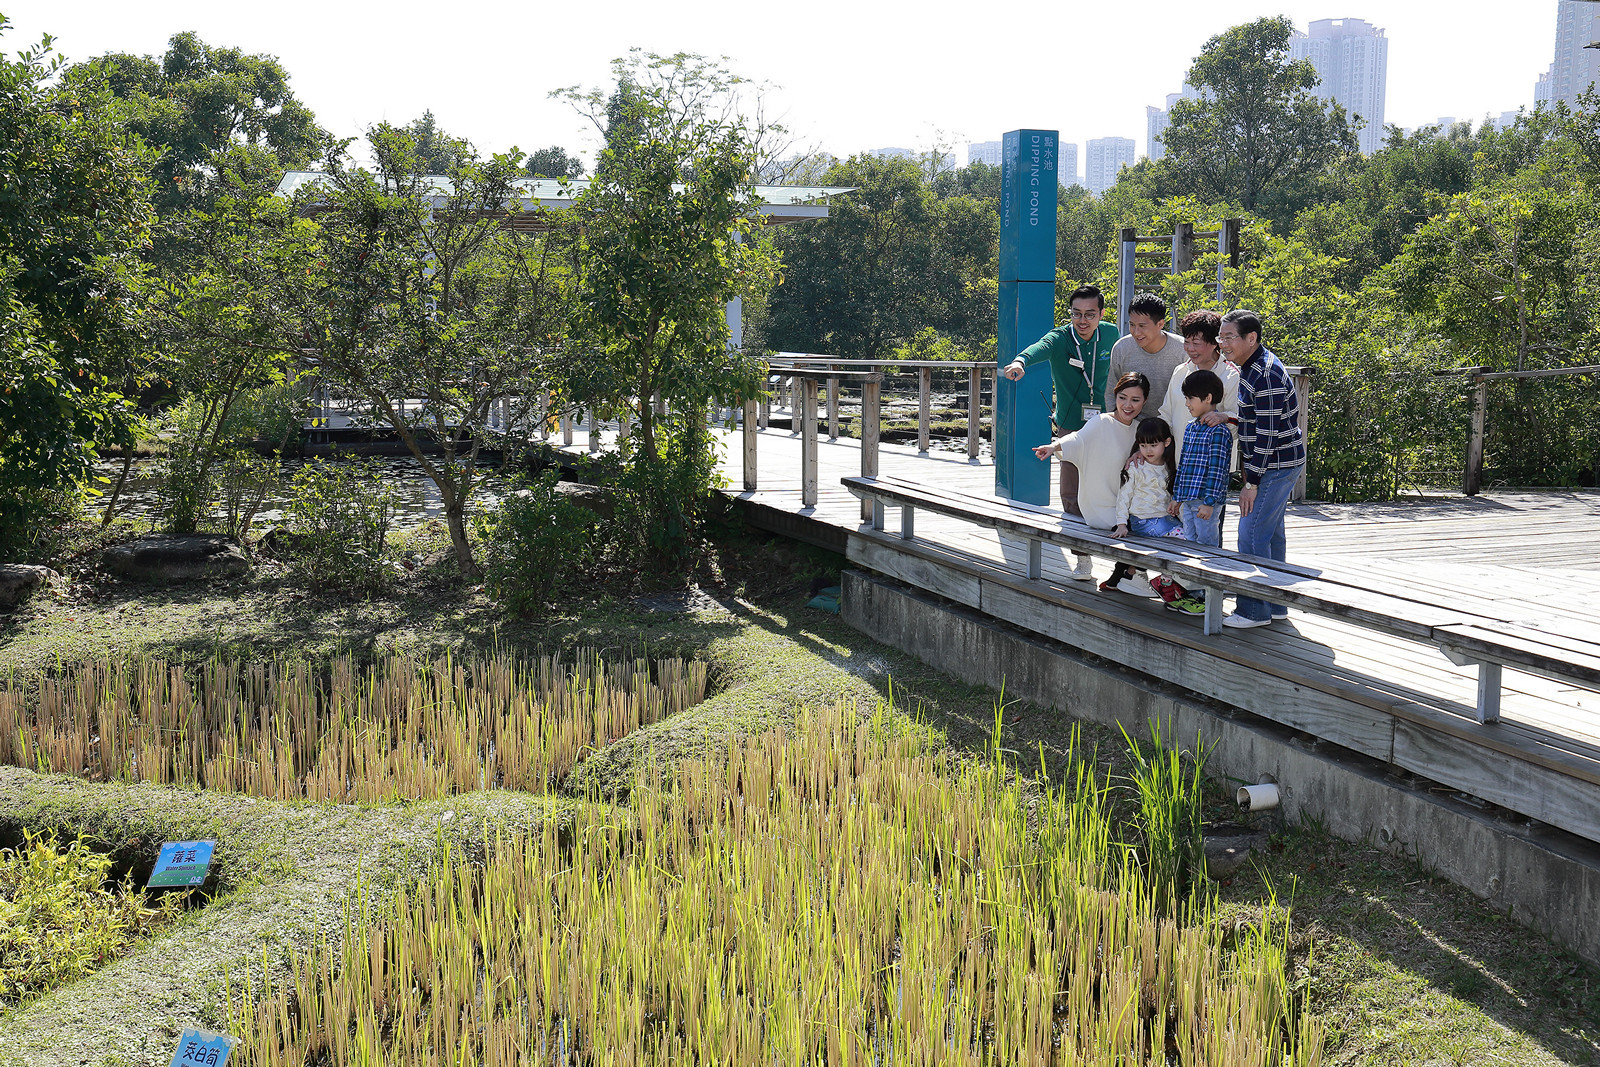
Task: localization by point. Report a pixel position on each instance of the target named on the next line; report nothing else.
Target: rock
(597, 498)
(18, 581)
(1228, 846)
(281, 543)
(176, 559)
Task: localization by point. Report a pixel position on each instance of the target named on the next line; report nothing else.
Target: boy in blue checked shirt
(1201, 487)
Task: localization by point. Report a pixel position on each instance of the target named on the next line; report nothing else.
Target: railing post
(974, 411)
(766, 410)
(624, 425)
(871, 424)
(924, 406)
(594, 431)
(1128, 239)
(751, 446)
(833, 406)
(566, 426)
(808, 446)
(1472, 481)
(1302, 392)
(544, 416)
(1227, 256)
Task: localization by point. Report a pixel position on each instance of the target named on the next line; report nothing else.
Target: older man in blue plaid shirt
(1272, 451)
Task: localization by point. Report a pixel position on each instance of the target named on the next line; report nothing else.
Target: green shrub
(58, 919)
(186, 487)
(243, 482)
(531, 539)
(343, 510)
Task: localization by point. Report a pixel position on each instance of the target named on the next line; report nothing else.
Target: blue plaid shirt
(1269, 417)
(1207, 455)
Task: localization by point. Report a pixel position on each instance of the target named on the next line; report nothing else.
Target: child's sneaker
(1167, 589)
(1187, 605)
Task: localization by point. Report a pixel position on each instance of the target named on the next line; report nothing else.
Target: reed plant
(844, 893)
(402, 728)
(1170, 783)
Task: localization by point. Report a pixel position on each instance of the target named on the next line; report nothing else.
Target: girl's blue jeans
(1160, 526)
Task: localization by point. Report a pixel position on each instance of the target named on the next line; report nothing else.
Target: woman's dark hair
(1203, 383)
(1151, 431)
(1204, 323)
(1133, 377)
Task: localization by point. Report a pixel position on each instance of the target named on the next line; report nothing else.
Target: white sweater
(1177, 414)
(1145, 493)
(1098, 451)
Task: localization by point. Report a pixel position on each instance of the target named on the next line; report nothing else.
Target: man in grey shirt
(1148, 349)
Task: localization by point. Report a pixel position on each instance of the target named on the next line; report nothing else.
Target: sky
(864, 75)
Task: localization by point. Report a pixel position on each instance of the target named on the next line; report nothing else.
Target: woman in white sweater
(1100, 449)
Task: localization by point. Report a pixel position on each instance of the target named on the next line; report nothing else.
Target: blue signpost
(1027, 311)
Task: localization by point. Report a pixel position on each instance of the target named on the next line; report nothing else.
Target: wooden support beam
(1035, 558)
(908, 521)
(766, 411)
(567, 420)
(833, 408)
(1302, 392)
(808, 445)
(752, 443)
(1213, 617)
(1472, 481)
(594, 431)
(1183, 247)
(871, 427)
(974, 411)
(924, 406)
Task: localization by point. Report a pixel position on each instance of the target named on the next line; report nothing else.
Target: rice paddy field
(700, 830)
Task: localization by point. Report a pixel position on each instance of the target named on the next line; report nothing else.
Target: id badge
(1090, 413)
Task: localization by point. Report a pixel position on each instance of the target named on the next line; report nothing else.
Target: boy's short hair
(1204, 323)
(1203, 383)
(1150, 305)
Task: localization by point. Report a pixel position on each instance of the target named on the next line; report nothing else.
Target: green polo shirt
(1077, 367)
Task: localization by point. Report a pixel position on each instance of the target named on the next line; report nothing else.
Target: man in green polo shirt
(1080, 360)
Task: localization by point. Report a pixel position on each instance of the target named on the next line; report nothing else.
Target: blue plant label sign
(202, 1048)
(182, 863)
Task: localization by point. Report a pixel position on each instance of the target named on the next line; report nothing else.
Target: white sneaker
(1082, 570)
(1137, 586)
(1241, 622)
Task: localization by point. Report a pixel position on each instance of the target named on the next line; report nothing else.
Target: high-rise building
(1544, 88)
(1576, 65)
(1157, 120)
(1351, 57)
(1067, 163)
(1107, 157)
(984, 152)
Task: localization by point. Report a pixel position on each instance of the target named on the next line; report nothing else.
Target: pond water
(417, 498)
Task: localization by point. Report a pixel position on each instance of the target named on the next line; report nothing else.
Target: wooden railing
(871, 383)
(784, 362)
(1478, 379)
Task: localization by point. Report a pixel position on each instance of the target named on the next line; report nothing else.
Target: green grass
(1406, 969)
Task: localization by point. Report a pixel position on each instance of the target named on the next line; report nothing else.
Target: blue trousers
(1261, 533)
(1202, 531)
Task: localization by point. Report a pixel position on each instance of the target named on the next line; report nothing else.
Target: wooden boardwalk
(1526, 557)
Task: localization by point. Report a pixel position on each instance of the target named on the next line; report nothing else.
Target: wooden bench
(1463, 636)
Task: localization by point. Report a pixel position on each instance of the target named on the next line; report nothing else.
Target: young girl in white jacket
(1144, 502)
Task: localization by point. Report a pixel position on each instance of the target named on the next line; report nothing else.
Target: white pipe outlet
(1258, 797)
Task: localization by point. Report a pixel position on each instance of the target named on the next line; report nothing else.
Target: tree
(396, 291)
(669, 235)
(74, 217)
(890, 259)
(436, 151)
(1256, 136)
(198, 103)
(553, 162)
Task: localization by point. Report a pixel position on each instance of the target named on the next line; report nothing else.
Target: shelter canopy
(780, 204)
